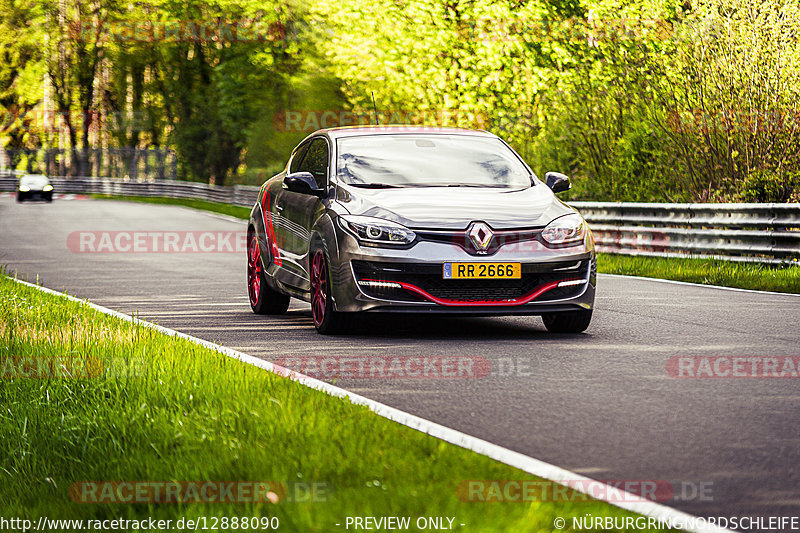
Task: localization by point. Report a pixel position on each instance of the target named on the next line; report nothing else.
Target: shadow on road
(413, 327)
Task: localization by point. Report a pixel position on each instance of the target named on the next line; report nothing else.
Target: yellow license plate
(482, 271)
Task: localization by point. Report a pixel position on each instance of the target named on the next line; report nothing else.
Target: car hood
(456, 207)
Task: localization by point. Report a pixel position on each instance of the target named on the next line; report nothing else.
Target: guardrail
(5, 173)
(766, 233)
(240, 195)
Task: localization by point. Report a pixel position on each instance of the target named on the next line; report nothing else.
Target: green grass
(705, 271)
(225, 209)
(166, 409)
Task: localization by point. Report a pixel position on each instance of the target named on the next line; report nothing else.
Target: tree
(21, 73)
(73, 52)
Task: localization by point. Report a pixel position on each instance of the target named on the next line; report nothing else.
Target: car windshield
(431, 160)
(33, 180)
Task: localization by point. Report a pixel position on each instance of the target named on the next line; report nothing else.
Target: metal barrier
(6, 173)
(766, 233)
(240, 195)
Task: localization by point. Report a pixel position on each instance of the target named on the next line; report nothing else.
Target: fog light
(571, 283)
(380, 284)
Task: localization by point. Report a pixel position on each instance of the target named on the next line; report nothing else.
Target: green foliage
(640, 101)
(646, 100)
(313, 90)
(764, 186)
(209, 86)
(20, 73)
(730, 91)
(456, 63)
(188, 75)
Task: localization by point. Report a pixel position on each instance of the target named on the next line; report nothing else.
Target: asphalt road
(601, 404)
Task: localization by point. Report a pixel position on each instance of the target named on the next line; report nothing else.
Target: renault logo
(481, 235)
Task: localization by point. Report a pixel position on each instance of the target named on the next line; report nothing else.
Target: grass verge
(704, 271)
(161, 409)
(225, 209)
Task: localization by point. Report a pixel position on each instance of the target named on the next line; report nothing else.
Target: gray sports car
(418, 220)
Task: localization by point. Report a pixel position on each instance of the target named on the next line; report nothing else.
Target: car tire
(570, 322)
(263, 299)
(20, 198)
(49, 198)
(327, 320)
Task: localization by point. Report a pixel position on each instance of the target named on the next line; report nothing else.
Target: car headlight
(377, 231)
(24, 188)
(47, 188)
(565, 230)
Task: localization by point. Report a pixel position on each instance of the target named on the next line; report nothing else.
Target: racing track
(600, 404)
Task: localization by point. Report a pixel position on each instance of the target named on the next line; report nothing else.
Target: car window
(316, 162)
(430, 160)
(297, 158)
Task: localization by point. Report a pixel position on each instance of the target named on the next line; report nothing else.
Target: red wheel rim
(319, 287)
(253, 270)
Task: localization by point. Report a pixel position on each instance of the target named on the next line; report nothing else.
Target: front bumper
(411, 281)
(35, 195)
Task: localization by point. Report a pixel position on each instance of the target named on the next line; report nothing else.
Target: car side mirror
(303, 183)
(557, 181)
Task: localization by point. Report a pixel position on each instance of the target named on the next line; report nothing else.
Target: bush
(769, 187)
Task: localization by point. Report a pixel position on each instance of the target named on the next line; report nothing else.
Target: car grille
(428, 277)
(498, 240)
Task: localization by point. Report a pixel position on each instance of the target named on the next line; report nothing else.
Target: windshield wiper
(474, 185)
(375, 185)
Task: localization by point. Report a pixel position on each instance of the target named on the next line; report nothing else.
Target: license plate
(482, 271)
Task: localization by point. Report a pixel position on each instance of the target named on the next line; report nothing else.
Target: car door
(297, 211)
(290, 272)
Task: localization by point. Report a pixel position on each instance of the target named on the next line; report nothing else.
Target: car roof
(394, 129)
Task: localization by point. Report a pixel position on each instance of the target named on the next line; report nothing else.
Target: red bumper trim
(265, 210)
(541, 289)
